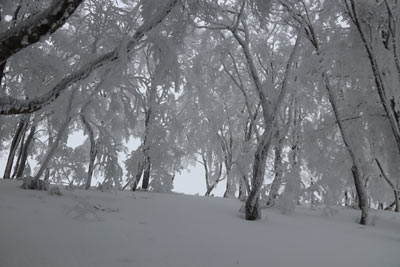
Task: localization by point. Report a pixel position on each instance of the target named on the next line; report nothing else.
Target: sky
(191, 181)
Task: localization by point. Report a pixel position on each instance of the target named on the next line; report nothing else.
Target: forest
(289, 102)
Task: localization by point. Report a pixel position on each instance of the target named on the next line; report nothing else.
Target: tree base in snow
(30, 182)
(252, 212)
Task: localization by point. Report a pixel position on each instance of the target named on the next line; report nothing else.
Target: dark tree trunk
(21, 149)
(252, 203)
(93, 154)
(49, 129)
(14, 145)
(138, 175)
(146, 173)
(362, 195)
(25, 151)
(209, 190)
(2, 68)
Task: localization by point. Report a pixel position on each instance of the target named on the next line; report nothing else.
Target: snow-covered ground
(112, 229)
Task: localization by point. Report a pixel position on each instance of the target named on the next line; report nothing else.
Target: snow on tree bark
(33, 29)
(378, 79)
(252, 203)
(355, 169)
(11, 105)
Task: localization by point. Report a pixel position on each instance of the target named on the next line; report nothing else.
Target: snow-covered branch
(33, 29)
(11, 105)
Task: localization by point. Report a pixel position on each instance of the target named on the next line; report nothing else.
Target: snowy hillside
(94, 228)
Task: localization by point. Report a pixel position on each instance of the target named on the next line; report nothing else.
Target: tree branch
(10, 105)
(33, 29)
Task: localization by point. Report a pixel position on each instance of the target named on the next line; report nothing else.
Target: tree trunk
(25, 150)
(242, 189)
(49, 130)
(138, 175)
(229, 191)
(252, 203)
(209, 190)
(378, 79)
(360, 189)
(230, 187)
(392, 185)
(14, 145)
(355, 169)
(295, 184)
(93, 150)
(21, 149)
(146, 173)
(60, 134)
(252, 207)
(2, 68)
(276, 183)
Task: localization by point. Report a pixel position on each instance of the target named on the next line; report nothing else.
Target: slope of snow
(93, 228)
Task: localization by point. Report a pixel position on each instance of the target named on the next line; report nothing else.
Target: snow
(94, 228)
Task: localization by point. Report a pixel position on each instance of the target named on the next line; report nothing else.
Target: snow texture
(119, 228)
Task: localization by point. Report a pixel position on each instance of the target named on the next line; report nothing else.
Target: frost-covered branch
(33, 29)
(11, 105)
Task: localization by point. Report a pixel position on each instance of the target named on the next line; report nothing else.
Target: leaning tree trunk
(378, 79)
(355, 169)
(21, 148)
(392, 185)
(209, 190)
(53, 148)
(14, 145)
(24, 156)
(146, 173)
(212, 174)
(49, 130)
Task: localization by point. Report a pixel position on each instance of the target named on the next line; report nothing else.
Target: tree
(10, 105)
